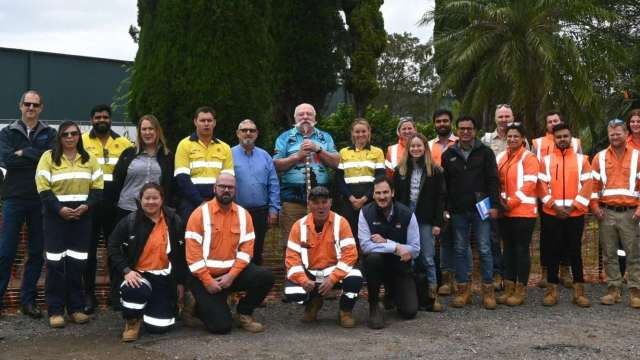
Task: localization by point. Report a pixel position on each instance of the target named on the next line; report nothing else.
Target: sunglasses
(30, 104)
(508, 106)
(70, 134)
(248, 130)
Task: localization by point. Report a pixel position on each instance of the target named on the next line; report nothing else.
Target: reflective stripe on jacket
(615, 182)
(565, 180)
(545, 145)
(436, 148)
(518, 174)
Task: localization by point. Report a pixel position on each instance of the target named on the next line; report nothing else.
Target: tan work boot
(613, 296)
(433, 294)
(509, 289)
(550, 295)
(634, 298)
(131, 330)
(248, 323)
(79, 317)
(579, 297)
(488, 297)
(447, 284)
(346, 319)
(542, 283)
(497, 282)
(463, 296)
(518, 295)
(56, 321)
(312, 308)
(566, 279)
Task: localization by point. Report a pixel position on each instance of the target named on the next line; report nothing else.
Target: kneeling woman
(147, 246)
(70, 184)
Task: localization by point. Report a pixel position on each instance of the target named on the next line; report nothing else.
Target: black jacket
(125, 250)
(431, 198)
(166, 163)
(469, 181)
(19, 181)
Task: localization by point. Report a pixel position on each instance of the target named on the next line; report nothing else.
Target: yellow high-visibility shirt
(70, 181)
(360, 166)
(203, 163)
(107, 156)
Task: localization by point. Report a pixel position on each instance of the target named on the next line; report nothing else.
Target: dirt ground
(527, 332)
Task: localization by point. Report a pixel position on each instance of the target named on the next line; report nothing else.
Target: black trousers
(66, 244)
(516, 234)
(398, 279)
(565, 242)
(213, 309)
(350, 285)
(104, 220)
(154, 302)
(260, 225)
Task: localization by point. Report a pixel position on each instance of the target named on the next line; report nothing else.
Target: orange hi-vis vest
(332, 253)
(615, 181)
(518, 174)
(395, 152)
(565, 180)
(218, 242)
(545, 145)
(632, 143)
(436, 148)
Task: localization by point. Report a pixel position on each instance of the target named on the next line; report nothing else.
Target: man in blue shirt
(258, 190)
(302, 155)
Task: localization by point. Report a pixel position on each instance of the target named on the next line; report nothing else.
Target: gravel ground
(530, 331)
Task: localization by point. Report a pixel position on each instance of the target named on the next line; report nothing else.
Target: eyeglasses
(226, 187)
(70, 134)
(514, 123)
(508, 106)
(616, 122)
(30, 104)
(248, 130)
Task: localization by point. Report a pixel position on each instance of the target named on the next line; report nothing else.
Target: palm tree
(529, 53)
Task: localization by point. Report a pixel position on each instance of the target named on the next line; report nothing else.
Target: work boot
(613, 296)
(131, 330)
(509, 289)
(447, 284)
(248, 323)
(463, 296)
(346, 319)
(56, 321)
(436, 306)
(578, 296)
(388, 302)
(497, 282)
(31, 310)
(566, 279)
(634, 298)
(312, 308)
(79, 317)
(550, 295)
(518, 295)
(488, 296)
(90, 304)
(376, 315)
(542, 283)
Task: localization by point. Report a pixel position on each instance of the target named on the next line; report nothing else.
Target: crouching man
(321, 254)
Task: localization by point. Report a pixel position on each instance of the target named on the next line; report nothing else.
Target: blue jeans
(427, 253)
(447, 254)
(14, 213)
(462, 225)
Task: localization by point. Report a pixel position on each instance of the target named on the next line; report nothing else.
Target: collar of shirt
(215, 207)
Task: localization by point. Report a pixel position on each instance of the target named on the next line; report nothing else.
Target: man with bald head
(302, 155)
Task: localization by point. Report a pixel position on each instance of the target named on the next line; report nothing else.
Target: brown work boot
(497, 282)
(447, 284)
(634, 298)
(79, 317)
(376, 315)
(131, 330)
(566, 279)
(346, 319)
(613, 296)
(550, 295)
(579, 297)
(488, 297)
(509, 289)
(518, 295)
(312, 308)
(436, 305)
(542, 283)
(463, 296)
(248, 323)
(56, 321)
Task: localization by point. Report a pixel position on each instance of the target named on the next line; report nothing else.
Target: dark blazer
(431, 198)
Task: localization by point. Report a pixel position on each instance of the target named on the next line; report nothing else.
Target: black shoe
(376, 315)
(90, 304)
(388, 302)
(32, 311)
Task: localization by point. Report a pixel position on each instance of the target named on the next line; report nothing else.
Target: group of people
(184, 230)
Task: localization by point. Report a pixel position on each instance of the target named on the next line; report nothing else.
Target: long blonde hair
(159, 133)
(406, 165)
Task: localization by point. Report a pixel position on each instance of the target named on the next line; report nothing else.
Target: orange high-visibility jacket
(218, 242)
(615, 181)
(543, 146)
(565, 180)
(436, 148)
(395, 152)
(518, 174)
(632, 143)
(333, 254)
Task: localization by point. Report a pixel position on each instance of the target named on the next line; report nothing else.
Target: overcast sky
(100, 28)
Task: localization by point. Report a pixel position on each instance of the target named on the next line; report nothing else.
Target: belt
(617, 208)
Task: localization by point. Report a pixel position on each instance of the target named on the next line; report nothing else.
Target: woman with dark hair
(518, 172)
(633, 125)
(70, 184)
(420, 185)
(150, 161)
(147, 248)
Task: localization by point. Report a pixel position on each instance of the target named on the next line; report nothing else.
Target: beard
(102, 127)
(225, 198)
(443, 131)
(248, 142)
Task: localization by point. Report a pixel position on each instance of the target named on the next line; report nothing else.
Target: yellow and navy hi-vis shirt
(107, 155)
(198, 166)
(71, 181)
(358, 168)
